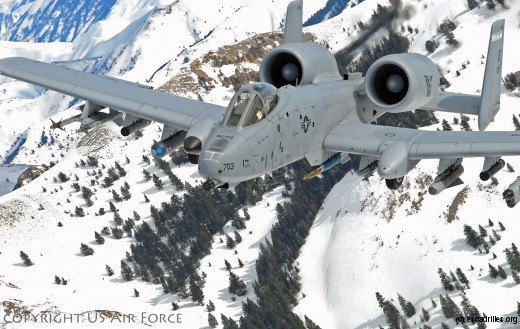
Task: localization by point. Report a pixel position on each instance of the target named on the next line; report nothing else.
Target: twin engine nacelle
(298, 64)
(401, 82)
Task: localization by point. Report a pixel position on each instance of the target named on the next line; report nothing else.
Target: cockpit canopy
(251, 104)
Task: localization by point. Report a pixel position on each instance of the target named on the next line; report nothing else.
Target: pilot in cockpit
(251, 104)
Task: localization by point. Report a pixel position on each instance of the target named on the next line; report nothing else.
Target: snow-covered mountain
(364, 240)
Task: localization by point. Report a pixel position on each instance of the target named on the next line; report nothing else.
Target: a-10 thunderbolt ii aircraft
(302, 108)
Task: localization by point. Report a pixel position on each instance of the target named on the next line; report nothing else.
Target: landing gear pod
(511, 195)
(487, 174)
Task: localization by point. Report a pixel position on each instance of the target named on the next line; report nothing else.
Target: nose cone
(210, 165)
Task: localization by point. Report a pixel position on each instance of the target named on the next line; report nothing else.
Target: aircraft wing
(117, 94)
(454, 103)
(412, 144)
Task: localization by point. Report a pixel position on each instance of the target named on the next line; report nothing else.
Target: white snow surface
(353, 249)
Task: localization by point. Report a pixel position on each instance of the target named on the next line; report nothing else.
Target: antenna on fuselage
(294, 22)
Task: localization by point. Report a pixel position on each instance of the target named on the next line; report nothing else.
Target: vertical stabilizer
(491, 87)
(294, 22)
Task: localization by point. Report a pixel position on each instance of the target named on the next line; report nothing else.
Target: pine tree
(228, 265)
(392, 315)
(516, 123)
(126, 271)
(309, 324)
(496, 236)
(57, 279)
(518, 308)
(502, 227)
(157, 181)
(117, 233)
(238, 237)
(509, 166)
(112, 207)
(116, 196)
(467, 308)
(99, 238)
(450, 40)
(444, 307)
(240, 264)
(490, 222)
(406, 306)
(446, 126)
(79, 212)
(146, 198)
(137, 217)
(462, 277)
(125, 193)
(230, 243)
(210, 307)
(25, 259)
(236, 285)
(136, 293)
(501, 272)
(62, 177)
(197, 296)
(117, 219)
(380, 300)
(86, 250)
(175, 306)
(493, 271)
(444, 326)
(434, 304)
(110, 271)
(511, 83)
(472, 238)
(246, 214)
(516, 278)
(482, 230)
(120, 170)
(431, 46)
(129, 226)
(453, 307)
(445, 281)
(425, 315)
(212, 321)
(464, 123)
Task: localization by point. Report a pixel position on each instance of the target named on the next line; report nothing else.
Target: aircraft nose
(209, 165)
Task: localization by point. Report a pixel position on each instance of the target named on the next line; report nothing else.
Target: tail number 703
(229, 166)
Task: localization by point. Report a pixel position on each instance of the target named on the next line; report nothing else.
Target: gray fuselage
(294, 129)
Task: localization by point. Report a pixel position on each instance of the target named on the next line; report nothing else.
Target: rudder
(491, 87)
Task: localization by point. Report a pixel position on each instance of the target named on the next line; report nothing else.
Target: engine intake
(298, 64)
(401, 82)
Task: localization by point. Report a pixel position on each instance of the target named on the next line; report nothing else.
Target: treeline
(278, 277)
(184, 227)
